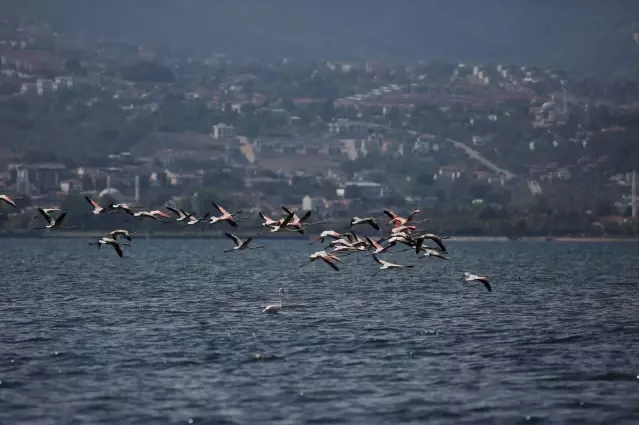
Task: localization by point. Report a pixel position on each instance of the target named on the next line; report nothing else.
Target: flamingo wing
(287, 220)
(266, 219)
(46, 216)
(373, 223)
(330, 263)
(286, 210)
(220, 209)
(235, 239)
(8, 200)
(92, 202)
(377, 260)
(413, 214)
(118, 249)
(305, 217)
(437, 240)
(391, 214)
(174, 211)
(60, 219)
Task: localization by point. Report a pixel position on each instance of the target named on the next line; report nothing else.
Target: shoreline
(308, 236)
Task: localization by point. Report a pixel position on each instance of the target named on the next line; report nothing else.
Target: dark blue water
(170, 335)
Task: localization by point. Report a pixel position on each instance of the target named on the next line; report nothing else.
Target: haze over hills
(587, 37)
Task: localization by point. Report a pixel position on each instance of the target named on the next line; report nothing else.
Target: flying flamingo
(54, 223)
(275, 308)
(182, 215)
(152, 215)
(474, 278)
(239, 243)
(46, 211)
(297, 222)
(437, 239)
(7, 200)
(282, 225)
(403, 228)
(368, 220)
(226, 216)
(398, 220)
(110, 241)
(349, 249)
(327, 234)
(326, 257)
(97, 209)
(115, 234)
(386, 265)
(194, 220)
(268, 221)
(379, 249)
(124, 207)
(432, 253)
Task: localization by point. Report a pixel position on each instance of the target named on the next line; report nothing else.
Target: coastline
(244, 234)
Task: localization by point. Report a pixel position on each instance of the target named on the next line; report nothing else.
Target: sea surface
(174, 333)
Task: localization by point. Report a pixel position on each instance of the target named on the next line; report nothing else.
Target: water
(170, 335)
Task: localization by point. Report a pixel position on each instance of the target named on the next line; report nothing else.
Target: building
(223, 132)
(314, 204)
(363, 190)
(36, 179)
(353, 128)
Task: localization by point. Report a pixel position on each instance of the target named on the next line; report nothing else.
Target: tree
(147, 72)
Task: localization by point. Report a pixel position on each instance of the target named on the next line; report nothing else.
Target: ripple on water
(174, 332)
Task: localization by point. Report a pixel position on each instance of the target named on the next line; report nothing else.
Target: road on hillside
(479, 158)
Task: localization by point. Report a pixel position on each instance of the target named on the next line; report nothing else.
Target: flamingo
(8, 200)
(387, 265)
(340, 242)
(368, 220)
(349, 249)
(115, 234)
(468, 277)
(110, 241)
(397, 220)
(432, 253)
(54, 223)
(326, 257)
(151, 214)
(282, 225)
(239, 243)
(182, 215)
(226, 216)
(297, 222)
(328, 234)
(275, 308)
(97, 209)
(377, 246)
(403, 228)
(401, 238)
(194, 220)
(124, 207)
(432, 237)
(47, 211)
(268, 221)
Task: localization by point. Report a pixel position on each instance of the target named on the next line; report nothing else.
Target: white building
(223, 131)
(312, 204)
(366, 190)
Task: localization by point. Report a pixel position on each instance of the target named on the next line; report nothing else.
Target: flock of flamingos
(403, 231)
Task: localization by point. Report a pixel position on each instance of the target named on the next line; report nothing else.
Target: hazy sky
(542, 31)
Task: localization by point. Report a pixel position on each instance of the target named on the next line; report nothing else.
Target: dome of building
(111, 192)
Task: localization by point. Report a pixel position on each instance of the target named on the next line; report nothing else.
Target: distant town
(482, 149)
